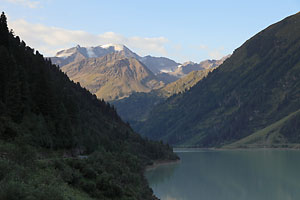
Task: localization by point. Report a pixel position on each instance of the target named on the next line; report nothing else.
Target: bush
(5, 167)
(12, 190)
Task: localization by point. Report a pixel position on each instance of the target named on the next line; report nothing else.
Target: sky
(188, 30)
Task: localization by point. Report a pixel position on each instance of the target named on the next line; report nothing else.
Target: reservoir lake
(256, 174)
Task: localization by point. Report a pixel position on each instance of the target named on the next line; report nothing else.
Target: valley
(215, 103)
(139, 100)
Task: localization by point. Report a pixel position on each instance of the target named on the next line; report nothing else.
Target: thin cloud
(49, 40)
(212, 53)
(26, 3)
(216, 53)
(200, 47)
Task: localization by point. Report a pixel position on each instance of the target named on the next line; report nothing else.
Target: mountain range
(78, 53)
(251, 100)
(253, 92)
(188, 67)
(114, 72)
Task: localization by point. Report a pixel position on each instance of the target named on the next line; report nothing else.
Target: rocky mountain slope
(75, 54)
(113, 76)
(159, 64)
(188, 67)
(114, 72)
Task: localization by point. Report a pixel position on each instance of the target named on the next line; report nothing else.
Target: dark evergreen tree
(3, 30)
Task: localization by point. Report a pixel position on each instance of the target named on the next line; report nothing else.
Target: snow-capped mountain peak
(78, 53)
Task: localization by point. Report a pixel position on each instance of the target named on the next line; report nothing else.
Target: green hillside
(253, 89)
(58, 141)
(273, 135)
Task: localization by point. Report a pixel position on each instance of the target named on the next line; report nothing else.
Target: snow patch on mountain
(64, 54)
(117, 47)
(90, 52)
(166, 70)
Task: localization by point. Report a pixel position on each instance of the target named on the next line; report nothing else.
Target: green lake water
(229, 175)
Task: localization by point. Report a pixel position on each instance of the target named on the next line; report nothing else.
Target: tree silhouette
(3, 30)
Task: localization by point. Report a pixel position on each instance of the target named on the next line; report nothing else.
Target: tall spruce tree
(3, 30)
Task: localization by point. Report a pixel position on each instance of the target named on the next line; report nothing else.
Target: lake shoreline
(234, 149)
(161, 163)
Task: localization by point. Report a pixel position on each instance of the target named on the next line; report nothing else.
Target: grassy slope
(269, 136)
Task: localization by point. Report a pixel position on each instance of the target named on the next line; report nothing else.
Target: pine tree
(4, 33)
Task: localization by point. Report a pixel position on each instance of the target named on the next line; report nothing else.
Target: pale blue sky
(181, 30)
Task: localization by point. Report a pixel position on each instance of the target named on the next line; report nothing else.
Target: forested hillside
(257, 87)
(57, 140)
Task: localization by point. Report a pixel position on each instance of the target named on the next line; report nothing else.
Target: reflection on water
(165, 173)
(229, 175)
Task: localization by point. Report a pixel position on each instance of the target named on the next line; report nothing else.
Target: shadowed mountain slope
(254, 88)
(137, 106)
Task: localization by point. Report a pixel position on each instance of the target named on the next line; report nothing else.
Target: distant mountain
(138, 105)
(255, 92)
(58, 141)
(181, 70)
(79, 53)
(159, 64)
(188, 67)
(113, 76)
(113, 71)
(166, 77)
(75, 54)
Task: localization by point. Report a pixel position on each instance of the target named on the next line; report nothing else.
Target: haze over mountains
(113, 71)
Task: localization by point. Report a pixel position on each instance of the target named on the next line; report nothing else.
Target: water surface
(229, 175)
